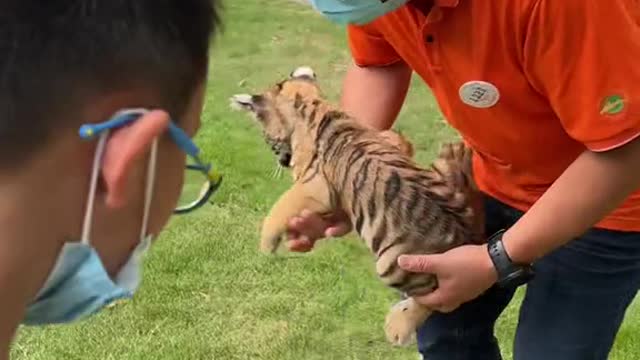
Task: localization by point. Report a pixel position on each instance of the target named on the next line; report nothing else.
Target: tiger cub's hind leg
(403, 320)
(312, 196)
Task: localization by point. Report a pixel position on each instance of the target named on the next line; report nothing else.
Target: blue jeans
(572, 309)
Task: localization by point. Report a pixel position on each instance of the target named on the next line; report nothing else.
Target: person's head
(355, 11)
(66, 63)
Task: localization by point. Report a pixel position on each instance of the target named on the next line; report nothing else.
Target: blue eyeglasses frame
(184, 142)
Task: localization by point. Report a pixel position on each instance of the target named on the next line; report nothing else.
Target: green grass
(207, 293)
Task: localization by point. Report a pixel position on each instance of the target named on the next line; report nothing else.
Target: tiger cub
(394, 205)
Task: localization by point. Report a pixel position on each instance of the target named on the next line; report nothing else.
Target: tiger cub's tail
(454, 164)
(397, 139)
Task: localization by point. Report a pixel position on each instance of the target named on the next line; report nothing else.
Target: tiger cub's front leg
(313, 196)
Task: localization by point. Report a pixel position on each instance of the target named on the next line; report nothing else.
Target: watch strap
(509, 274)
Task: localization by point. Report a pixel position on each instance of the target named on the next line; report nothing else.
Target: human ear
(123, 148)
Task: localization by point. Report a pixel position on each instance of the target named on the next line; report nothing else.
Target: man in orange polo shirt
(547, 92)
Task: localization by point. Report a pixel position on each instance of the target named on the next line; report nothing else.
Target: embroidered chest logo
(612, 105)
(479, 94)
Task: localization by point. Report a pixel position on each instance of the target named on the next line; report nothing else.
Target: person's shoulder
(553, 9)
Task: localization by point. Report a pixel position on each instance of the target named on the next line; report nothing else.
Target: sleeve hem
(363, 64)
(615, 142)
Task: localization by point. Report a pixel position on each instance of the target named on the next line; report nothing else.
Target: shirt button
(429, 39)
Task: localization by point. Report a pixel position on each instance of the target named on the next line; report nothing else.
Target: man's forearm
(374, 95)
(593, 186)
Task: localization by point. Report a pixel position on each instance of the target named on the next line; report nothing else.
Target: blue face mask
(79, 285)
(355, 11)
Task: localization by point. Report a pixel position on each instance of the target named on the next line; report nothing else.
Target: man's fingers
(305, 229)
(308, 224)
(292, 235)
(418, 263)
(436, 301)
(301, 244)
(300, 247)
(338, 230)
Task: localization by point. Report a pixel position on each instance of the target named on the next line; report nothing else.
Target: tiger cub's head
(276, 109)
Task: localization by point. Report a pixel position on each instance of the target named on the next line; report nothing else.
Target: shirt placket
(431, 39)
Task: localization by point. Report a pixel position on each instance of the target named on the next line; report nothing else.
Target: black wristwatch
(509, 274)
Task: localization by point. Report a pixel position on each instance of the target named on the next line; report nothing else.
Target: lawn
(208, 293)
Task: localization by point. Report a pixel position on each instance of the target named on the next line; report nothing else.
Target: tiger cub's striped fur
(394, 205)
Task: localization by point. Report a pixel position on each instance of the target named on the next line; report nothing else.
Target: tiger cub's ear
(246, 102)
(303, 72)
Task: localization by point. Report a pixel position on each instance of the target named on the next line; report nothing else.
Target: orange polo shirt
(529, 84)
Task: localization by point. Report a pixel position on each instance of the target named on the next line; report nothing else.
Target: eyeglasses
(201, 180)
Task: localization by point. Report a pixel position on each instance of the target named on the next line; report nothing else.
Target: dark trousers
(572, 309)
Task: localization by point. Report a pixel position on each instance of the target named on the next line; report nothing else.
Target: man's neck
(424, 6)
(21, 265)
(34, 218)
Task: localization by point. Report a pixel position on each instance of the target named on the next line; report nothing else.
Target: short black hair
(58, 55)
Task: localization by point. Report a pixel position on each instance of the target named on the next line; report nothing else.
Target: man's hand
(463, 274)
(306, 229)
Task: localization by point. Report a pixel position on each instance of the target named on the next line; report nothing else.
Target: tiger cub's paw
(403, 320)
(398, 327)
(273, 230)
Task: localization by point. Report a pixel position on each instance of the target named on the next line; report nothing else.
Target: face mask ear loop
(97, 160)
(151, 176)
